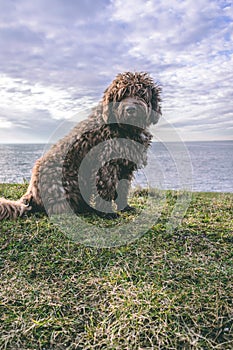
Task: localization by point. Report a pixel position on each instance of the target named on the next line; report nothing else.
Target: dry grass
(163, 291)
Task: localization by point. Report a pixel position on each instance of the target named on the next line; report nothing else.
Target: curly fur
(129, 106)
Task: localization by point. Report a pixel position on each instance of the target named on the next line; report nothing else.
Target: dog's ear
(154, 117)
(107, 112)
(155, 103)
(108, 103)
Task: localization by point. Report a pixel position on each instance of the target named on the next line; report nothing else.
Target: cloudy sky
(58, 56)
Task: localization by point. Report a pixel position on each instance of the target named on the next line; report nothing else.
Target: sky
(58, 56)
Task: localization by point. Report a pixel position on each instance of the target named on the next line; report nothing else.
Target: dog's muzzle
(132, 111)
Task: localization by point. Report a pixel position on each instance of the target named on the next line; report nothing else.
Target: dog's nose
(130, 109)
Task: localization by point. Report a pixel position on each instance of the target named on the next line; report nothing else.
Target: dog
(90, 169)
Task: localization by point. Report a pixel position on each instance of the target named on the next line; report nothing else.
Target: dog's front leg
(122, 196)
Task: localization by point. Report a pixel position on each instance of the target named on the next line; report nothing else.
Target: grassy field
(166, 290)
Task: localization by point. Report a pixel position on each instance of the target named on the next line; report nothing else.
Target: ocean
(194, 166)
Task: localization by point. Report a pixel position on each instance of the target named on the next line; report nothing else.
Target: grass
(165, 290)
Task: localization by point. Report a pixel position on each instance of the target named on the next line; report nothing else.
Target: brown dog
(92, 167)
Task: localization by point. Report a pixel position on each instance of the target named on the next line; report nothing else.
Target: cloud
(30, 126)
(189, 45)
(58, 56)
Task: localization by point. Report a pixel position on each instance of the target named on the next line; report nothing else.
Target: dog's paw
(128, 209)
(109, 216)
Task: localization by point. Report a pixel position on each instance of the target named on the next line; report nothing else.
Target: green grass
(165, 290)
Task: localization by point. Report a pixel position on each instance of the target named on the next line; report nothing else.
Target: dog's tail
(29, 202)
(12, 209)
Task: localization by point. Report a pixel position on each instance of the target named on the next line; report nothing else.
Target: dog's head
(132, 98)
